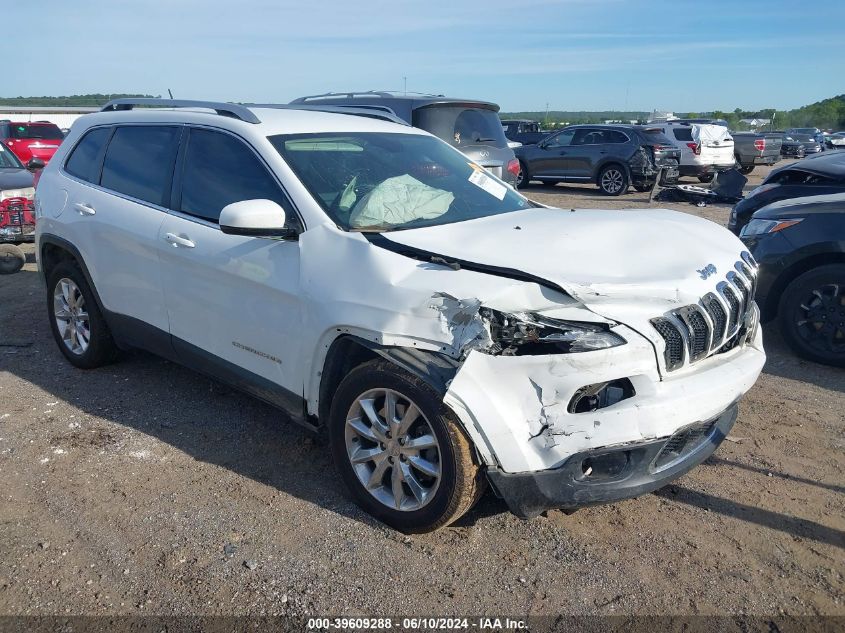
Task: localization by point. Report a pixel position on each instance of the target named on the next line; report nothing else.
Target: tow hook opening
(605, 467)
(600, 395)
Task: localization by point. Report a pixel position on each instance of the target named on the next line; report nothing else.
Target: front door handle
(84, 209)
(177, 241)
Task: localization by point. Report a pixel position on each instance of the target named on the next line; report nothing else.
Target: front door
(233, 302)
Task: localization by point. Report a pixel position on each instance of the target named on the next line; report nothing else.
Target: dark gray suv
(471, 126)
(611, 156)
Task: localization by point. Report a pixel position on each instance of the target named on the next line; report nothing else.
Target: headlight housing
(759, 226)
(531, 333)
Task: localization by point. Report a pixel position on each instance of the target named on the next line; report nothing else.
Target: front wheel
(812, 315)
(400, 450)
(613, 180)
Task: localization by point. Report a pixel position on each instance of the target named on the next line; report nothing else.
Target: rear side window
(46, 131)
(682, 133)
(614, 136)
(139, 162)
(84, 161)
(219, 170)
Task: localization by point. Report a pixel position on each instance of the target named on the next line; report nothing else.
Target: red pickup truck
(28, 140)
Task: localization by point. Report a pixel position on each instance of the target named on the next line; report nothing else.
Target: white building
(63, 116)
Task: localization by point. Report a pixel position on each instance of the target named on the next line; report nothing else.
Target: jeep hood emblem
(708, 270)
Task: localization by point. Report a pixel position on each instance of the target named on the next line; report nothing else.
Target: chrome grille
(718, 322)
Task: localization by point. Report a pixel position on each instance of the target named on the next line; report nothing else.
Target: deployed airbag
(399, 200)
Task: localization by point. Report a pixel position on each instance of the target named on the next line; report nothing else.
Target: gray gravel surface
(143, 488)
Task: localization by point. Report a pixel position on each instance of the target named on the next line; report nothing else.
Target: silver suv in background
(471, 126)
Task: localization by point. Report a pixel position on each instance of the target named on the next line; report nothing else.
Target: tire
(706, 178)
(65, 285)
(613, 180)
(746, 169)
(12, 259)
(643, 188)
(816, 331)
(443, 497)
(523, 177)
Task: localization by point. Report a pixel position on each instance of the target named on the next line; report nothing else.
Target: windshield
(461, 126)
(382, 182)
(9, 160)
(42, 131)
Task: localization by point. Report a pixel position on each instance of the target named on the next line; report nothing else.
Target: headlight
(531, 333)
(761, 227)
(27, 192)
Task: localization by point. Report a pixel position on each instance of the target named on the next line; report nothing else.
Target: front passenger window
(561, 140)
(219, 170)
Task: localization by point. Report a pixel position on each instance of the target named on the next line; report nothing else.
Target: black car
(523, 131)
(470, 126)
(816, 175)
(790, 148)
(611, 156)
(811, 137)
(800, 246)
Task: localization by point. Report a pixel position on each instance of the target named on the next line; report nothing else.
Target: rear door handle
(84, 209)
(177, 241)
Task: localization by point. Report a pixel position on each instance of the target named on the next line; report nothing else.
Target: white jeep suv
(445, 331)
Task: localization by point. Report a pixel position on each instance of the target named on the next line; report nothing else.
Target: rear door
(589, 148)
(233, 302)
(116, 206)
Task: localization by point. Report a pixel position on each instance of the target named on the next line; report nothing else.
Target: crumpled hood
(615, 262)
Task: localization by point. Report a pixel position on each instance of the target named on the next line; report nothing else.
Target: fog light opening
(604, 467)
(600, 395)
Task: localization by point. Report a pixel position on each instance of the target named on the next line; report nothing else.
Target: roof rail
(348, 95)
(232, 110)
(380, 112)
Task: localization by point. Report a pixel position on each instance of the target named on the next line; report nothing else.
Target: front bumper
(608, 475)
(519, 410)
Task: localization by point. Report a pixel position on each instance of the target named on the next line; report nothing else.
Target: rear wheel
(77, 323)
(523, 177)
(613, 180)
(746, 169)
(812, 315)
(706, 178)
(400, 450)
(12, 259)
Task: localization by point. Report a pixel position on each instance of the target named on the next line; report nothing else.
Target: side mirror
(254, 218)
(35, 163)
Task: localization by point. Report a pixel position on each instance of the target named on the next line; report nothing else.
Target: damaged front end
(494, 332)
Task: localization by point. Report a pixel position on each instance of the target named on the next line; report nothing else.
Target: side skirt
(130, 332)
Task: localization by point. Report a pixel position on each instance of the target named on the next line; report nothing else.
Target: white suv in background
(368, 278)
(705, 148)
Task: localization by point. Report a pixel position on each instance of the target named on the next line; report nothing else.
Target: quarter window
(219, 170)
(84, 161)
(139, 162)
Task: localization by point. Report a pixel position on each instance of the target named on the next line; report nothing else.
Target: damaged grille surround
(719, 322)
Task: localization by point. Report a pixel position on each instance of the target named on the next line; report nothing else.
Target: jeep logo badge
(708, 270)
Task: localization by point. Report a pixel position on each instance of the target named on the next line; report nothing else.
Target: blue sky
(522, 54)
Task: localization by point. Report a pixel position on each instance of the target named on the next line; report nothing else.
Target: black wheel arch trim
(55, 240)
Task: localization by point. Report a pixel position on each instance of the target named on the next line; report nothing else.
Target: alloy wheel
(821, 318)
(393, 449)
(611, 180)
(72, 318)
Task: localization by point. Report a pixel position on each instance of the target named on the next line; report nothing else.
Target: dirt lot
(146, 488)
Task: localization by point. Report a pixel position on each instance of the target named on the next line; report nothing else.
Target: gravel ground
(145, 488)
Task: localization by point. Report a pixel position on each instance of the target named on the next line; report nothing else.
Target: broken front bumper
(519, 412)
(608, 475)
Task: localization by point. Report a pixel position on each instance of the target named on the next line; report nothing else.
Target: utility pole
(405, 83)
